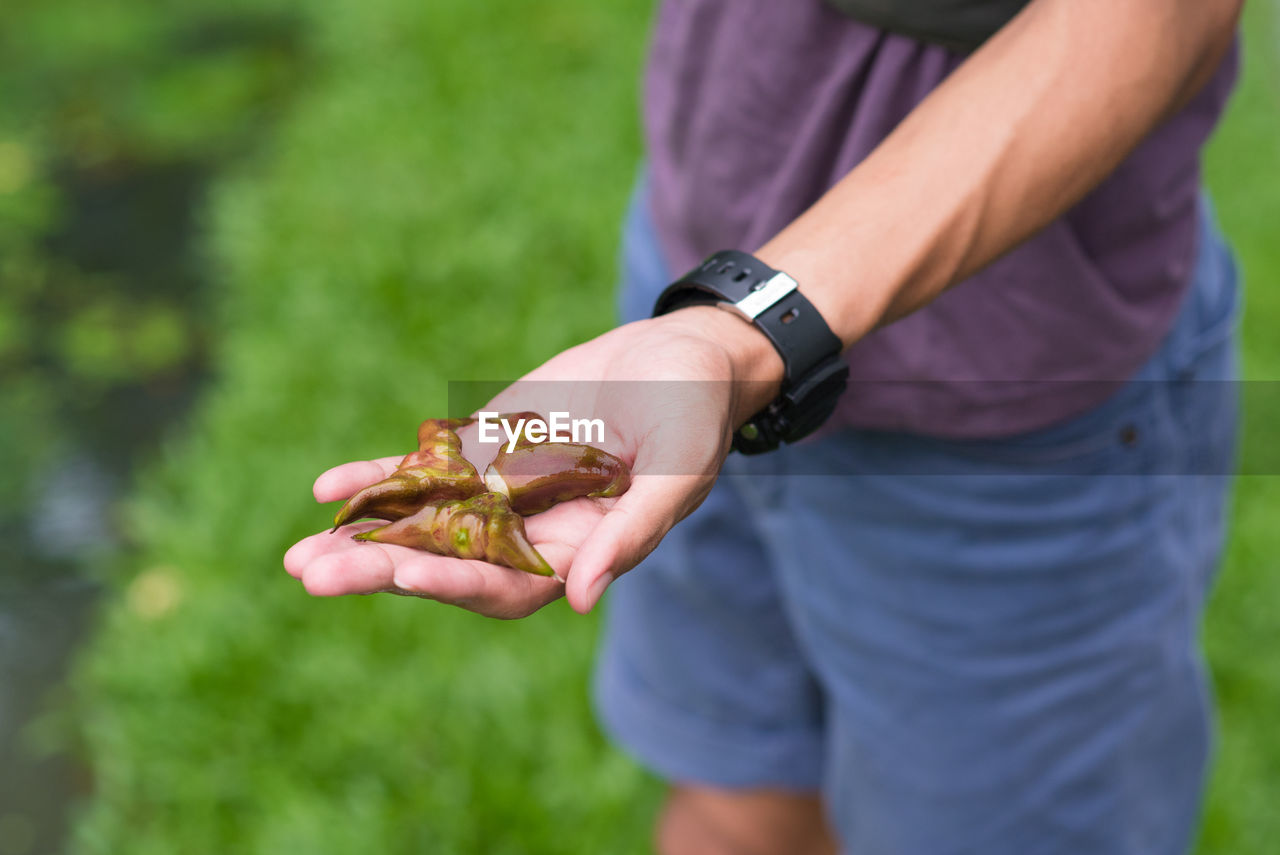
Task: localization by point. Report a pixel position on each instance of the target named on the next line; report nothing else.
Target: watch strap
(814, 373)
(741, 283)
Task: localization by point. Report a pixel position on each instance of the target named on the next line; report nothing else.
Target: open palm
(662, 388)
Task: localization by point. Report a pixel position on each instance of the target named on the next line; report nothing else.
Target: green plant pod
(431, 428)
(440, 450)
(483, 527)
(435, 472)
(428, 429)
(536, 477)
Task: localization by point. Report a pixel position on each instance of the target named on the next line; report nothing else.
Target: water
(41, 623)
(124, 249)
(103, 324)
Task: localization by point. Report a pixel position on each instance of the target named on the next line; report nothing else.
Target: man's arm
(1025, 128)
(1028, 125)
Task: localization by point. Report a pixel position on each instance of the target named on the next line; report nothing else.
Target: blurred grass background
(352, 204)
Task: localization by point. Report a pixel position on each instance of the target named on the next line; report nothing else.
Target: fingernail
(596, 591)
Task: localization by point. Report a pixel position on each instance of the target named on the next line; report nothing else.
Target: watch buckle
(764, 296)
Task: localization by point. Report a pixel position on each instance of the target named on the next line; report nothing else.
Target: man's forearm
(1029, 124)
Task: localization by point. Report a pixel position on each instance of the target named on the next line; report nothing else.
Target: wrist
(756, 369)
(850, 312)
(780, 409)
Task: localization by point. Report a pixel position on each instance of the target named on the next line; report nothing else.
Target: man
(924, 631)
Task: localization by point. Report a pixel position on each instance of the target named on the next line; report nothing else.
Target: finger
(338, 566)
(310, 548)
(557, 532)
(568, 522)
(484, 588)
(365, 570)
(341, 482)
(630, 531)
(552, 534)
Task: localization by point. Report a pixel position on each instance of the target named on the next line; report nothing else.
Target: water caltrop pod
(483, 527)
(436, 471)
(536, 477)
(428, 429)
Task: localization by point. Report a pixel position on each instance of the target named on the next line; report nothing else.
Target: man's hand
(670, 391)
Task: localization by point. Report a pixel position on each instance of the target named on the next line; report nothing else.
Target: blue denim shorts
(977, 659)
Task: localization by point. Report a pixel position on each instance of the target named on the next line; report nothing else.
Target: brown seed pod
(428, 429)
(436, 472)
(537, 477)
(483, 527)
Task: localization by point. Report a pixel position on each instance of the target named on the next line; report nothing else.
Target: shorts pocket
(1178, 414)
(1112, 438)
(1200, 395)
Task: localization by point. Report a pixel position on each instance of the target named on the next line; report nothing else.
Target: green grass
(440, 202)
(1242, 635)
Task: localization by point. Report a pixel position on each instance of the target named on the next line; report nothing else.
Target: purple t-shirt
(754, 108)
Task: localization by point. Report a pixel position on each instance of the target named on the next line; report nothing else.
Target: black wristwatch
(815, 374)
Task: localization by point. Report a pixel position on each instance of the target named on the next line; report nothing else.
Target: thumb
(631, 529)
